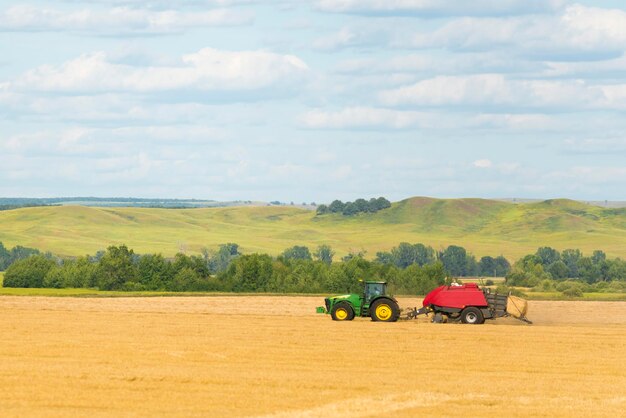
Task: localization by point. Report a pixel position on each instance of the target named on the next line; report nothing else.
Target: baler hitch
(413, 313)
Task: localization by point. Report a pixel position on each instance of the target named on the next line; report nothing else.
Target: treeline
(550, 264)
(294, 271)
(455, 259)
(408, 268)
(352, 208)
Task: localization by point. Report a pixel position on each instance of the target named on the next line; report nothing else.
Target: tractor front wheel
(342, 312)
(472, 315)
(385, 310)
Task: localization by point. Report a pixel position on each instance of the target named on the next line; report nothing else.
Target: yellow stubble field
(264, 356)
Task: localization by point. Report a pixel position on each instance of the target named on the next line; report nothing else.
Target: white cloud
(497, 90)
(360, 117)
(206, 70)
(117, 21)
(484, 163)
(438, 8)
(578, 29)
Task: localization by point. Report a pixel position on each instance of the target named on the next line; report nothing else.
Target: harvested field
(273, 357)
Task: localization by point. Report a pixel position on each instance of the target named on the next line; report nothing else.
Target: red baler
(469, 304)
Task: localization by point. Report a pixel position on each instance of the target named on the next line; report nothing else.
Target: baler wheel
(385, 310)
(342, 312)
(472, 315)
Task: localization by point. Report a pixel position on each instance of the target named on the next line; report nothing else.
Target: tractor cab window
(374, 289)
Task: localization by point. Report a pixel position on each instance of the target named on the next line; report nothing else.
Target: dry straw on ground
(274, 357)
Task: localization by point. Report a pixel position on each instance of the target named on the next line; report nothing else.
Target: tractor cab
(373, 289)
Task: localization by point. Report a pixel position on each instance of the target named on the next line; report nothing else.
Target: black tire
(337, 312)
(384, 310)
(472, 316)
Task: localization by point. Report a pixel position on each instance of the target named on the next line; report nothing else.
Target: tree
(350, 209)
(361, 205)
(558, 270)
(548, 255)
(154, 272)
(487, 266)
(297, 252)
(404, 255)
(617, 270)
(116, 268)
(219, 262)
(527, 271)
(384, 257)
(454, 260)
(336, 206)
(193, 262)
(185, 279)
(54, 278)
(353, 254)
(79, 273)
(502, 266)
(28, 272)
(419, 280)
(424, 254)
(5, 257)
(325, 254)
(322, 209)
(570, 257)
(598, 257)
(493, 267)
(249, 273)
(382, 203)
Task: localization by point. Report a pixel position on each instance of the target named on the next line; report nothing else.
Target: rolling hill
(484, 227)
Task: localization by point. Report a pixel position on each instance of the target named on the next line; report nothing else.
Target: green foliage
(558, 270)
(297, 252)
(28, 272)
(570, 257)
(249, 273)
(544, 286)
(322, 210)
(573, 292)
(154, 272)
(418, 280)
(325, 254)
(455, 261)
(408, 268)
(353, 208)
(220, 260)
(493, 267)
(185, 279)
(8, 257)
(505, 290)
(115, 268)
(407, 254)
(548, 255)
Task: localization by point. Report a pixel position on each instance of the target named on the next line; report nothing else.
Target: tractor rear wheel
(472, 315)
(342, 312)
(385, 310)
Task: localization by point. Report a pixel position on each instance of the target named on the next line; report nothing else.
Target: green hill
(482, 226)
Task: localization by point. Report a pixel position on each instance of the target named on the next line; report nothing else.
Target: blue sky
(313, 100)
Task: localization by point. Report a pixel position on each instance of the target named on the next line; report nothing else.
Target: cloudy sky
(313, 100)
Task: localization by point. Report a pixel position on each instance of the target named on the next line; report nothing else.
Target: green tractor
(373, 302)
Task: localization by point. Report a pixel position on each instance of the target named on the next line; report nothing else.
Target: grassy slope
(482, 226)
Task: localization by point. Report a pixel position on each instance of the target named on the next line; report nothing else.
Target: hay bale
(516, 307)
